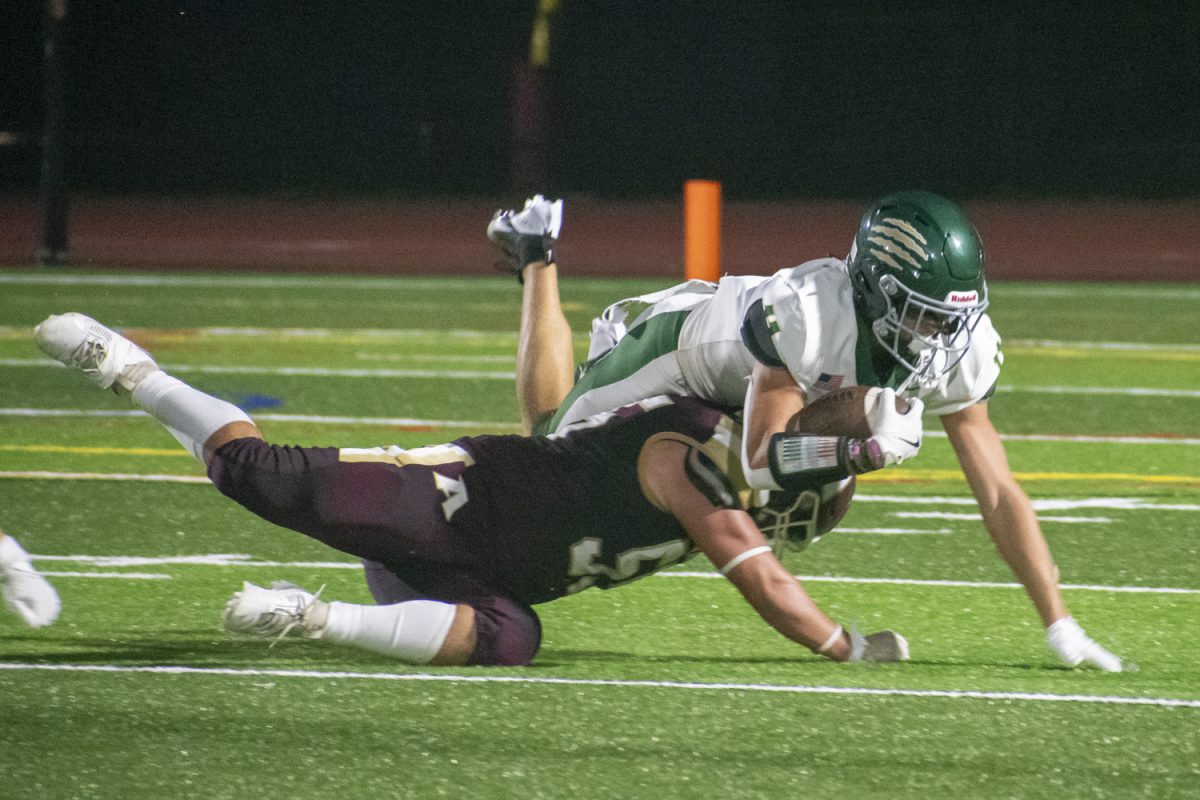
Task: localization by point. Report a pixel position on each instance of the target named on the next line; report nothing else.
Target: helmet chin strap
(923, 357)
(903, 387)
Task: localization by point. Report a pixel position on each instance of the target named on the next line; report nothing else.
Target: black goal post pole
(52, 200)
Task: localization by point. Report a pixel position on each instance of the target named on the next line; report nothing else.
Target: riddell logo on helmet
(963, 298)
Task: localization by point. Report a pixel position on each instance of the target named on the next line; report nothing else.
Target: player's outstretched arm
(735, 546)
(847, 432)
(1013, 525)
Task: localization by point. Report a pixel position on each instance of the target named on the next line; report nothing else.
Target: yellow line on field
(920, 475)
(1164, 354)
(92, 451)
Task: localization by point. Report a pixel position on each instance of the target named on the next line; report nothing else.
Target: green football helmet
(916, 267)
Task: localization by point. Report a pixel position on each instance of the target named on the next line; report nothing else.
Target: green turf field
(669, 688)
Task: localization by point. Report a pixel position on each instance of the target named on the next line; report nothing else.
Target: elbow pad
(806, 461)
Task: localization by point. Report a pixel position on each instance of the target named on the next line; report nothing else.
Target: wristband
(806, 461)
(738, 559)
(831, 641)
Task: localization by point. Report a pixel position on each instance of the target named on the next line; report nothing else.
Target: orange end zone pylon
(702, 230)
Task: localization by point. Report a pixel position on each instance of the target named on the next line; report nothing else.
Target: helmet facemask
(789, 520)
(925, 335)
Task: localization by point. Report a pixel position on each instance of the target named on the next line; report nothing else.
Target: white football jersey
(810, 314)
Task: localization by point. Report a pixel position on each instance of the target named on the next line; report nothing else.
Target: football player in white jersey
(906, 311)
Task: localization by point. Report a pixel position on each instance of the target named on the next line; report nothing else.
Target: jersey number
(455, 492)
(630, 565)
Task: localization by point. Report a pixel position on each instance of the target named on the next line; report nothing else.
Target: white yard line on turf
(506, 375)
(950, 584)
(207, 560)
(506, 426)
(1107, 503)
(214, 369)
(894, 531)
(124, 576)
(10, 331)
(1118, 391)
(319, 372)
(1137, 347)
(1169, 292)
(937, 694)
(399, 422)
(246, 281)
(100, 476)
(244, 560)
(977, 517)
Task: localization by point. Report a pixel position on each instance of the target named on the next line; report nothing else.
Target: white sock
(413, 631)
(190, 415)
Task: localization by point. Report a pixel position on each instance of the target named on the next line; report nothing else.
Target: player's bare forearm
(782, 602)
(1007, 513)
(732, 542)
(1013, 526)
(772, 399)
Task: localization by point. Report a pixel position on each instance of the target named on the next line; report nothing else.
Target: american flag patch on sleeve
(825, 384)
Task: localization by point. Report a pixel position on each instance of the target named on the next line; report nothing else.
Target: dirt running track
(1041, 241)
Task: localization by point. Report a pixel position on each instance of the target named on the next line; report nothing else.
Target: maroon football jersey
(558, 514)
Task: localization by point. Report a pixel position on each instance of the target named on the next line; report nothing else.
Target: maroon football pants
(390, 516)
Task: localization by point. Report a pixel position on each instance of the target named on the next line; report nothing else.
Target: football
(835, 501)
(845, 412)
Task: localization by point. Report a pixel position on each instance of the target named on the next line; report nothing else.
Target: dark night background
(778, 100)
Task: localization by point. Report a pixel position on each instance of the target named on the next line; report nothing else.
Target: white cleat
(539, 217)
(26, 592)
(529, 234)
(106, 357)
(275, 612)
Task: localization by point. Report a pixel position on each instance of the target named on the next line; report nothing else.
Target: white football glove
(880, 646)
(25, 591)
(898, 435)
(1074, 646)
